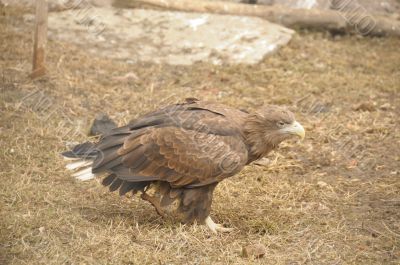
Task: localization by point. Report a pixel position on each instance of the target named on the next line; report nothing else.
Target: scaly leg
(215, 228)
(154, 201)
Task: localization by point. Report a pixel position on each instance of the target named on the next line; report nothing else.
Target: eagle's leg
(215, 228)
(155, 201)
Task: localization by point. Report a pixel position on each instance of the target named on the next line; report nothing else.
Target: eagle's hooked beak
(296, 129)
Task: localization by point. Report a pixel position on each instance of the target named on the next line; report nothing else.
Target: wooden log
(303, 18)
(40, 39)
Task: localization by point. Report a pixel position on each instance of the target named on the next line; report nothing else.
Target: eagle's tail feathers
(76, 164)
(85, 173)
(80, 159)
(86, 150)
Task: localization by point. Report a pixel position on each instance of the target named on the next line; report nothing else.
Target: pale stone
(175, 38)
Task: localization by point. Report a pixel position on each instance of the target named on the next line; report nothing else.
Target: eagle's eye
(280, 123)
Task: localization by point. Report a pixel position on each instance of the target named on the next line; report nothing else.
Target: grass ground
(331, 199)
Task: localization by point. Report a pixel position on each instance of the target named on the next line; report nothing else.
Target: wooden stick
(40, 39)
(303, 18)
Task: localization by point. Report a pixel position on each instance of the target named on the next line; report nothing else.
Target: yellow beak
(296, 129)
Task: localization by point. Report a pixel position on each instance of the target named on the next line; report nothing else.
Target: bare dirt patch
(332, 199)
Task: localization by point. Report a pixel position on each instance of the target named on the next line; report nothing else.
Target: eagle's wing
(185, 145)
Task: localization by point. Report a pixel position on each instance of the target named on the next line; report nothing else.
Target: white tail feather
(87, 176)
(84, 174)
(71, 158)
(82, 168)
(79, 164)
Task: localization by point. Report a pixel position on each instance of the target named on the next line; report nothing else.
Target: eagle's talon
(215, 228)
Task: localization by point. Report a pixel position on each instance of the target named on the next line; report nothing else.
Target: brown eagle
(175, 156)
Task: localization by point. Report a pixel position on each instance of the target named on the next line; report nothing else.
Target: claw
(215, 228)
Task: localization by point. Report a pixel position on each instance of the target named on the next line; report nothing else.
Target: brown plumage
(177, 155)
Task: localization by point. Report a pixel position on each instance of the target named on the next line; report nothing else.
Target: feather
(115, 185)
(86, 150)
(104, 157)
(79, 164)
(128, 186)
(125, 187)
(108, 180)
(66, 158)
(84, 174)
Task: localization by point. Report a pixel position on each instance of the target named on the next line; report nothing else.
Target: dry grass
(332, 199)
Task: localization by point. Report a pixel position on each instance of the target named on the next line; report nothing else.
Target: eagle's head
(267, 127)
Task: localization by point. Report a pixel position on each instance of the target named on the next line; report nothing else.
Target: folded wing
(184, 145)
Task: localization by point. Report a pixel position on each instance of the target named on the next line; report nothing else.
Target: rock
(254, 250)
(101, 125)
(175, 38)
(366, 6)
(58, 5)
(307, 4)
(345, 6)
